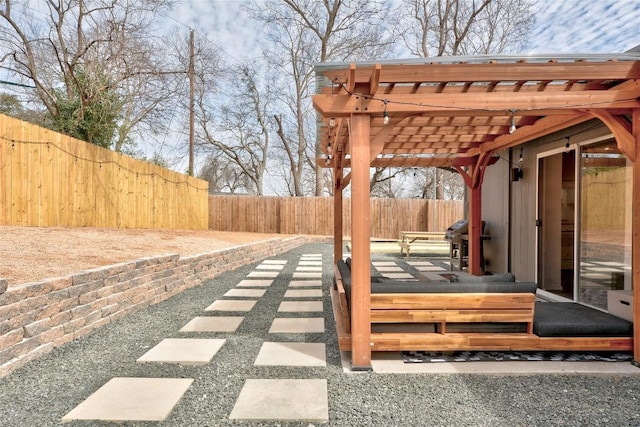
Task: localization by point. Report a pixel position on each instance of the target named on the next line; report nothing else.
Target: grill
(457, 235)
(454, 232)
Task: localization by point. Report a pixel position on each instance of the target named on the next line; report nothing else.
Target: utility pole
(191, 101)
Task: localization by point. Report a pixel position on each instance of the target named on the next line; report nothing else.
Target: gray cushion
(568, 319)
(453, 287)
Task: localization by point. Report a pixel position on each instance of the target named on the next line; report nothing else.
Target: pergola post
(337, 215)
(475, 230)
(635, 239)
(360, 237)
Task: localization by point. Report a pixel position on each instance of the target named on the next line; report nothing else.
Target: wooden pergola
(457, 113)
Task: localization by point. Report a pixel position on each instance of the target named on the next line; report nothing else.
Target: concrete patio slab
(249, 283)
(185, 351)
(391, 363)
(303, 293)
(132, 399)
(245, 293)
(282, 400)
(231, 305)
(300, 306)
(292, 354)
(316, 263)
(383, 263)
(213, 324)
(297, 325)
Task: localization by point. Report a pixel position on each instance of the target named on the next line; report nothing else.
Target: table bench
(407, 238)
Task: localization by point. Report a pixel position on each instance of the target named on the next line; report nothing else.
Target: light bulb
(512, 128)
(385, 117)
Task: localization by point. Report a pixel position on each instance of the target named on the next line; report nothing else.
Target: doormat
(509, 356)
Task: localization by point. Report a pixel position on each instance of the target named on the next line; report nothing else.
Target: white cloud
(585, 26)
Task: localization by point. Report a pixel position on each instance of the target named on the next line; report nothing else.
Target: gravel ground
(42, 392)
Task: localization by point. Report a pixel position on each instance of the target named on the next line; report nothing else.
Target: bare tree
(303, 33)
(430, 28)
(240, 135)
(93, 63)
(463, 27)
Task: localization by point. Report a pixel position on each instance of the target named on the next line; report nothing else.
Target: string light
(385, 115)
(512, 128)
(332, 122)
(426, 104)
(521, 158)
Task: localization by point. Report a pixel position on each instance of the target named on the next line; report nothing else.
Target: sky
(562, 26)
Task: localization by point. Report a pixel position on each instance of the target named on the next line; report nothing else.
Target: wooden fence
(314, 215)
(48, 179)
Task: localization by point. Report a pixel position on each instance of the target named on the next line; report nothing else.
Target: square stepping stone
(245, 293)
(270, 267)
(132, 399)
(383, 263)
(263, 274)
(275, 261)
(297, 325)
(418, 263)
(303, 293)
(250, 283)
(389, 268)
(311, 256)
(305, 284)
(300, 306)
(282, 400)
(308, 268)
(307, 275)
(430, 268)
(305, 262)
(213, 324)
(292, 354)
(185, 351)
(231, 305)
(399, 276)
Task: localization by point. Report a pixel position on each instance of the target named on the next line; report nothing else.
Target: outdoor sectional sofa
(482, 313)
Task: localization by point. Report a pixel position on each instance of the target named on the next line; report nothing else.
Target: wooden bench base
(489, 341)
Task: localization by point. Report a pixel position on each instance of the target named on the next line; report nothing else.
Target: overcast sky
(562, 26)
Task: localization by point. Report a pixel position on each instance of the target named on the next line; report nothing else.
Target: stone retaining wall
(37, 317)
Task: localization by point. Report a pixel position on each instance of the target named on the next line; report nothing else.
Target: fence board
(48, 179)
(314, 215)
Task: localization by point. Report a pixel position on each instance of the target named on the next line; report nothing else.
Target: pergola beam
(529, 103)
(492, 72)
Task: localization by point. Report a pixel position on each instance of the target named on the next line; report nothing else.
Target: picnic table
(407, 238)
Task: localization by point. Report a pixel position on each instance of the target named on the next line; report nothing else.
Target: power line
(4, 82)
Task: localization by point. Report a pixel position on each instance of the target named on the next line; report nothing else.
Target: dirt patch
(31, 253)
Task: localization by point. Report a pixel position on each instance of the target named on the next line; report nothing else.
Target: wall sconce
(516, 174)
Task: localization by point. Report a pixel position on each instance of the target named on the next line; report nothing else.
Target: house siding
(513, 237)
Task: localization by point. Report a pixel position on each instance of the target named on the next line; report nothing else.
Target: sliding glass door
(605, 222)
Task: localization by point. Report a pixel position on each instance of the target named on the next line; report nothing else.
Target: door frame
(539, 156)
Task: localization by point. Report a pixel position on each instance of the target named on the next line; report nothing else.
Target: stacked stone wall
(37, 317)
